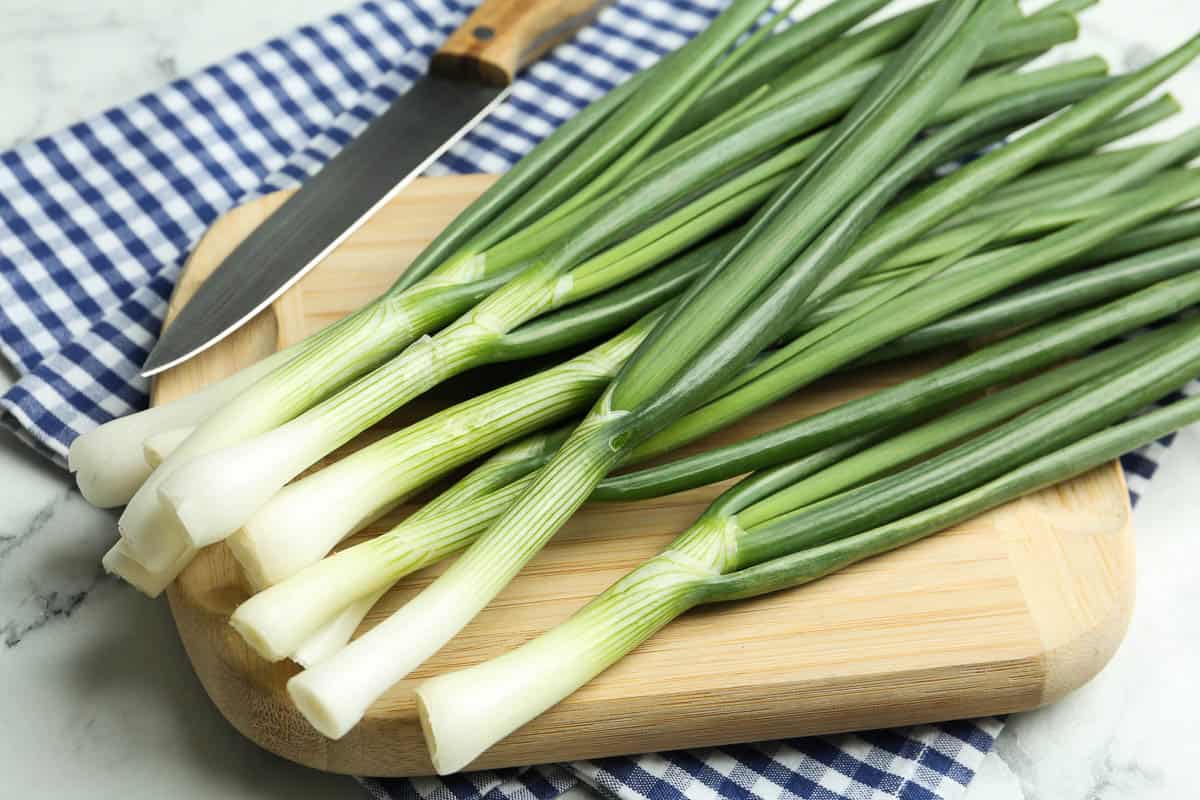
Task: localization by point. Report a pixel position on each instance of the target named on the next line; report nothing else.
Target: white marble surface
(98, 697)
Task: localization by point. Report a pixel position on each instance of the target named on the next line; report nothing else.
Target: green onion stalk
(450, 276)
(1135, 121)
(277, 621)
(766, 63)
(275, 522)
(213, 495)
(1009, 358)
(449, 294)
(899, 406)
(980, 96)
(792, 525)
(395, 316)
(1046, 182)
(578, 323)
(564, 274)
(815, 66)
(972, 281)
(109, 470)
(272, 459)
(734, 311)
(305, 520)
(1170, 229)
(886, 118)
(1050, 299)
(1033, 221)
(1055, 181)
(509, 464)
(108, 462)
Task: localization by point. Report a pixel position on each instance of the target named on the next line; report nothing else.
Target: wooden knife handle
(504, 36)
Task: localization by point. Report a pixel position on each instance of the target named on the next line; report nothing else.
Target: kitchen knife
(469, 76)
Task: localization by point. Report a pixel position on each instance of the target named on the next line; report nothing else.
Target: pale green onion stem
(217, 493)
(334, 694)
(319, 366)
(156, 448)
(305, 520)
(507, 466)
(108, 461)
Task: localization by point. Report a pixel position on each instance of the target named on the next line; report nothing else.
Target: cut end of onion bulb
(296, 528)
(120, 561)
(269, 627)
(277, 621)
(245, 549)
(336, 633)
(109, 462)
(464, 713)
(332, 703)
(107, 471)
(158, 447)
(215, 494)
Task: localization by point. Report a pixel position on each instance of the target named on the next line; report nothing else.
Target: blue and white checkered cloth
(96, 220)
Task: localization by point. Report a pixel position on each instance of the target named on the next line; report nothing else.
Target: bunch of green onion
(746, 217)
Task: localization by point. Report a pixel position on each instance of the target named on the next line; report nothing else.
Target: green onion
(109, 471)
(465, 712)
(453, 277)
(462, 277)
(903, 404)
(926, 72)
(766, 61)
(215, 494)
(1051, 298)
(981, 277)
(489, 479)
(1052, 425)
(1036, 220)
(1170, 229)
(950, 428)
(1068, 462)
(244, 477)
(302, 523)
(752, 292)
(1046, 178)
(660, 107)
(1014, 356)
(1125, 125)
(279, 619)
(609, 311)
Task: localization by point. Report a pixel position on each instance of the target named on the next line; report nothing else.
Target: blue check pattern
(96, 220)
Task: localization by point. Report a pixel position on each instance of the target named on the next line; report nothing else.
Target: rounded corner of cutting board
(1004, 613)
(1077, 645)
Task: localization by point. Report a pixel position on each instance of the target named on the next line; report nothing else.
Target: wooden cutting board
(1004, 613)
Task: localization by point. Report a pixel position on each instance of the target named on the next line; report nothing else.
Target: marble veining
(98, 695)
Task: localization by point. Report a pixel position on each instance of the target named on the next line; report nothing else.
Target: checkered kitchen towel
(96, 220)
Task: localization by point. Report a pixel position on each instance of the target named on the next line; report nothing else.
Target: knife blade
(470, 75)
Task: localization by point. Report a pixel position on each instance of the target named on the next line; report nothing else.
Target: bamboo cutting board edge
(1004, 613)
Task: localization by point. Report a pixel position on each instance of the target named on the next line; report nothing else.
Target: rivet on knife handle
(504, 36)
